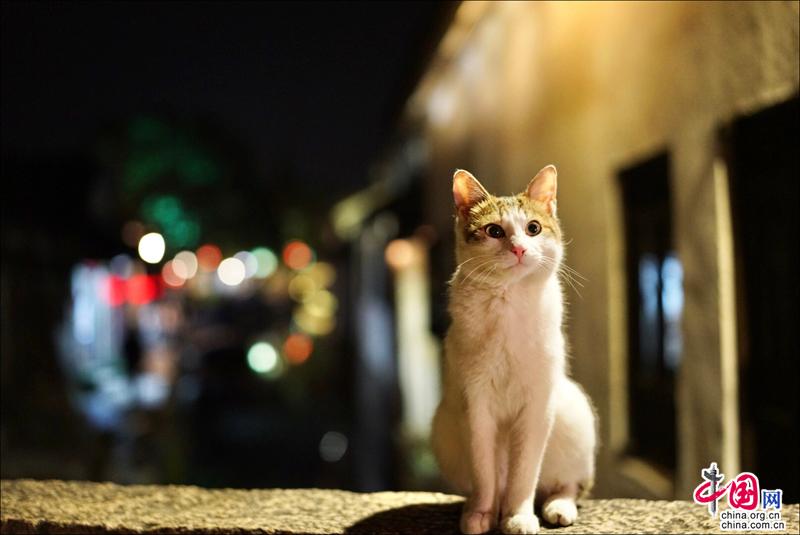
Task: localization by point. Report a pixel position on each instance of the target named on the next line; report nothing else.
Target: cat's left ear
(467, 191)
(543, 188)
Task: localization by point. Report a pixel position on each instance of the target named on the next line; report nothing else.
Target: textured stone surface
(77, 507)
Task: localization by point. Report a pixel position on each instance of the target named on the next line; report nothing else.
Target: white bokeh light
(152, 247)
(231, 271)
(262, 357)
(185, 265)
(250, 263)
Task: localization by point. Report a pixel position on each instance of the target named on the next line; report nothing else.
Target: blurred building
(674, 127)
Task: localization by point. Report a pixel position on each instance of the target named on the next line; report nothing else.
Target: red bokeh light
(208, 257)
(297, 255)
(142, 289)
(114, 291)
(297, 348)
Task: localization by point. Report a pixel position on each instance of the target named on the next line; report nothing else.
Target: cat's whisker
(571, 277)
(487, 274)
(573, 271)
(565, 273)
(479, 266)
(574, 274)
(572, 282)
(473, 258)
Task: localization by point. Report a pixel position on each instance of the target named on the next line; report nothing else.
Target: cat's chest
(507, 333)
(511, 320)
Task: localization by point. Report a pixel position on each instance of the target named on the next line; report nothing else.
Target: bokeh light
(114, 291)
(297, 348)
(142, 289)
(263, 358)
(121, 265)
(400, 254)
(231, 271)
(322, 304)
(171, 278)
(297, 255)
(208, 257)
(185, 265)
(302, 287)
(267, 262)
(250, 263)
(312, 323)
(323, 273)
(152, 247)
(332, 446)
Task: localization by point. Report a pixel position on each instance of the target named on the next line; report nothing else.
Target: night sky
(315, 87)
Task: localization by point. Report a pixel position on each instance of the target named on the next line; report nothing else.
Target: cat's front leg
(480, 513)
(527, 443)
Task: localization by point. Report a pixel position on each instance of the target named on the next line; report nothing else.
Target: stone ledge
(28, 506)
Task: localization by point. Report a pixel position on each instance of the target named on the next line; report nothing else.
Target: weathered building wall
(593, 87)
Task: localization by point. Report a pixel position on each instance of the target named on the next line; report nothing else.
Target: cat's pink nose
(517, 250)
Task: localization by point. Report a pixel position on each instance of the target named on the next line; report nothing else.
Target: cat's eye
(494, 231)
(533, 228)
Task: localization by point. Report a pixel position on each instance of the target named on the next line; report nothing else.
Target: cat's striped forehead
(501, 210)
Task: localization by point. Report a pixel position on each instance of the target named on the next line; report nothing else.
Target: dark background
(291, 103)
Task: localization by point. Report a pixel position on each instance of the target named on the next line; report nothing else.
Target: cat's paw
(561, 511)
(474, 522)
(523, 523)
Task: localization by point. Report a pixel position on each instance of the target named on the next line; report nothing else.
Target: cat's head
(505, 239)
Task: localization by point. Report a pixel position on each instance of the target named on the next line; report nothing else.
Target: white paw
(561, 511)
(525, 523)
(475, 522)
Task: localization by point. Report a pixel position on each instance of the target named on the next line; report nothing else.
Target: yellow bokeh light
(323, 273)
(322, 304)
(302, 287)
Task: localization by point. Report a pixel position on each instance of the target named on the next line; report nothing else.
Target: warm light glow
(168, 273)
(231, 271)
(313, 324)
(298, 348)
(302, 287)
(208, 257)
(297, 255)
(185, 265)
(152, 247)
(400, 254)
(250, 263)
(267, 262)
(322, 304)
(323, 273)
(262, 358)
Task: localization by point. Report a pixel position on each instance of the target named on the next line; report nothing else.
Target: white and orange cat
(512, 428)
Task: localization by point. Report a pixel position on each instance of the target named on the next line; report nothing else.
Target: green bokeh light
(180, 227)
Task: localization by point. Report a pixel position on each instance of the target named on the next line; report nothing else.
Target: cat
(512, 429)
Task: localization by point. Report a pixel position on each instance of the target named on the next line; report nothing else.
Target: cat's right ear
(467, 191)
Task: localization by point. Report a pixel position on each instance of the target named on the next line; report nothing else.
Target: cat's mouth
(517, 263)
